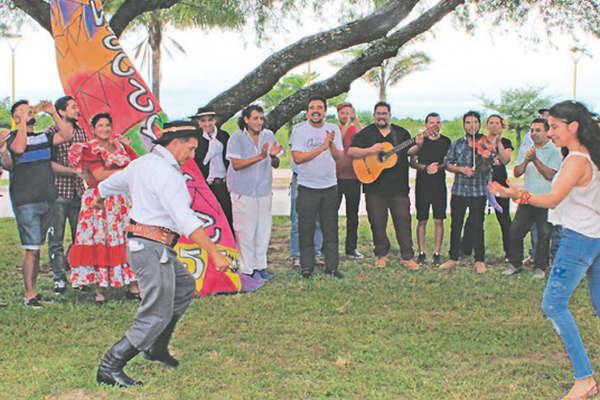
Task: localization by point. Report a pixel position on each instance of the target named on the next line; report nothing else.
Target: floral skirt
(99, 253)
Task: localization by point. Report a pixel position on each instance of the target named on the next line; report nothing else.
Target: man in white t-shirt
(316, 146)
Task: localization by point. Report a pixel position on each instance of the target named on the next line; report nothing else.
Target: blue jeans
(33, 220)
(577, 256)
(63, 209)
(295, 233)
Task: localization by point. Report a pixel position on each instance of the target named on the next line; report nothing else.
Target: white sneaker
(60, 287)
(510, 271)
(539, 274)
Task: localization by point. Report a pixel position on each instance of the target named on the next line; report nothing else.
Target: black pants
(222, 194)
(378, 208)
(458, 208)
(350, 189)
(525, 217)
(504, 222)
(310, 205)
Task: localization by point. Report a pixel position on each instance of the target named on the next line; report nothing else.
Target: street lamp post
(12, 39)
(576, 54)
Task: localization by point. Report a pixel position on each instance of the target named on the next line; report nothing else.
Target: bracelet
(524, 197)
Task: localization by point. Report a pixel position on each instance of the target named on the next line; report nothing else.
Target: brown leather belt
(155, 233)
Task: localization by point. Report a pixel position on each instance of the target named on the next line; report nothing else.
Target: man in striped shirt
(32, 190)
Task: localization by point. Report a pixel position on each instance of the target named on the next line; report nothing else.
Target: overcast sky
(463, 68)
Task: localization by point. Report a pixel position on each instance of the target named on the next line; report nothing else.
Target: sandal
(133, 296)
(588, 395)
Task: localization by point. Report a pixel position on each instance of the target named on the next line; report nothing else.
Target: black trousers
(504, 222)
(310, 205)
(378, 208)
(525, 217)
(458, 208)
(350, 189)
(222, 194)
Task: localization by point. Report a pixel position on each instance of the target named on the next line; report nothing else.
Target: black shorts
(434, 196)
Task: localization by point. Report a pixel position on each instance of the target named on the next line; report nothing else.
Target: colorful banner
(95, 70)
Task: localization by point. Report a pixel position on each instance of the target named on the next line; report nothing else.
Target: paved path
(281, 198)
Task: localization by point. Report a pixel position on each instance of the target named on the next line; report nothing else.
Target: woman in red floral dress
(99, 254)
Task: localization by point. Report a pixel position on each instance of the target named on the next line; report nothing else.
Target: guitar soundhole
(382, 156)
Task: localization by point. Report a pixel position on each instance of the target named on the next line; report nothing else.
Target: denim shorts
(33, 221)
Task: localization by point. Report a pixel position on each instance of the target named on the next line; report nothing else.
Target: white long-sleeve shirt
(158, 192)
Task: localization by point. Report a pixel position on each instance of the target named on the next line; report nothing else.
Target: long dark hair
(588, 132)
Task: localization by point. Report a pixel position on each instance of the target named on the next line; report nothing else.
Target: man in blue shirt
(539, 165)
(471, 176)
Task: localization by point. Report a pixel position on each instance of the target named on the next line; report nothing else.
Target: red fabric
(97, 255)
(343, 167)
(216, 282)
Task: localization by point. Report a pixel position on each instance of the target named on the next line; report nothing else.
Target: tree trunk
(382, 84)
(375, 54)
(155, 33)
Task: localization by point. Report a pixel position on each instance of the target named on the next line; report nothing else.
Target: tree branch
(265, 76)
(130, 9)
(372, 57)
(39, 10)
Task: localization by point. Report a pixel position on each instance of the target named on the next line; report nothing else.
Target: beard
(382, 124)
(71, 120)
(31, 122)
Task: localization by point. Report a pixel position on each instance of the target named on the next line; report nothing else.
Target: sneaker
(480, 267)
(33, 303)
(421, 258)
(295, 262)
(60, 287)
(306, 274)
(263, 274)
(3, 305)
(510, 271)
(335, 273)
(539, 273)
(355, 255)
(380, 262)
(410, 264)
(449, 264)
(437, 259)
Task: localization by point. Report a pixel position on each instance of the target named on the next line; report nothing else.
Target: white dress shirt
(214, 157)
(158, 192)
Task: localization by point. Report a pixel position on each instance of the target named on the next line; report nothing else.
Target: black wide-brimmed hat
(176, 130)
(204, 112)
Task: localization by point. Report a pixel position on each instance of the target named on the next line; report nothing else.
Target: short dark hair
(382, 104)
(541, 121)
(496, 116)
(472, 114)
(98, 117)
(247, 112)
(431, 115)
(16, 105)
(322, 99)
(61, 104)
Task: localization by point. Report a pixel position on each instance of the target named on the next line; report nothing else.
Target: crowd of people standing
(55, 178)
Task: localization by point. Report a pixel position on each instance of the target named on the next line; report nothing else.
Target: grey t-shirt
(255, 180)
(318, 173)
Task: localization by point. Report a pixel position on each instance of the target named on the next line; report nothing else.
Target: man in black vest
(210, 157)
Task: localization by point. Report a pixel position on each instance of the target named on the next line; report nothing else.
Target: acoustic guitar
(369, 168)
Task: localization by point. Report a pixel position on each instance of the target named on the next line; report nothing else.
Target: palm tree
(190, 14)
(390, 71)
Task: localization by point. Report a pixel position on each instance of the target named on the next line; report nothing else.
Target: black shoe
(110, 370)
(437, 259)
(3, 305)
(133, 296)
(33, 303)
(306, 274)
(421, 258)
(159, 351)
(335, 273)
(60, 287)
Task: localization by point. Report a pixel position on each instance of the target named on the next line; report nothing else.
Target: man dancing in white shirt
(160, 213)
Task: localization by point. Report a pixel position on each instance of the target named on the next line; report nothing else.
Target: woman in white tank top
(575, 198)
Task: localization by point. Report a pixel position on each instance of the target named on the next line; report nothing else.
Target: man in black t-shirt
(430, 189)
(389, 192)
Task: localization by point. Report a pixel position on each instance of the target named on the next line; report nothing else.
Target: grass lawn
(391, 334)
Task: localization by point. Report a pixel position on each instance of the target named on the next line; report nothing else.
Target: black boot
(159, 351)
(110, 370)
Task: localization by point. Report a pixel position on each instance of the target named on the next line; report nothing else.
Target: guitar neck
(400, 147)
